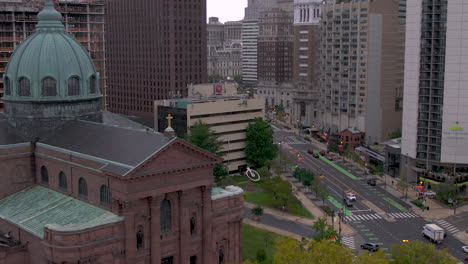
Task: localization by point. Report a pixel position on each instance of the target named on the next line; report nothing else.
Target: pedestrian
(392, 182)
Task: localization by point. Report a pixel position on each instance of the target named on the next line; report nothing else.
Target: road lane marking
(339, 205)
(334, 165)
(397, 205)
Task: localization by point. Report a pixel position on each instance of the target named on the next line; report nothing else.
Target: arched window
(105, 195)
(82, 187)
(44, 175)
(92, 84)
(73, 86)
(221, 256)
(139, 238)
(62, 180)
(7, 86)
(166, 216)
(49, 87)
(193, 226)
(24, 87)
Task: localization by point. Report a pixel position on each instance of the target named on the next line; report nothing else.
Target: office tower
(155, 48)
(249, 37)
(306, 68)
(84, 20)
(224, 49)
(435, 116)
(361, 68)
(275, 57)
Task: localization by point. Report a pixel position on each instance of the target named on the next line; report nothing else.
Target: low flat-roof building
(227, 114)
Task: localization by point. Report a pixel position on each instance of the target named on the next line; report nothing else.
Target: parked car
(372, 182)
(465, 248)
(316, 155)
(310, 151)
(430, 194)
(351, 196)
(370, 246)
(330, 158)
(323, 152)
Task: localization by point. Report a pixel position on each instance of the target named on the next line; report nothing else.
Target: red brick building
(82, 185)
(352, 137)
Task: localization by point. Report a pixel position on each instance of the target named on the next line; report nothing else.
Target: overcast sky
(226, 10)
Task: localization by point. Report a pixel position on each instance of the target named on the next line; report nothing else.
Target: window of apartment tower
(139, 238)
(82, 187)
(193, 260)
(7, 86)
(24, 87)
(44, 175)
(105, 195)
(166, 216)
(49, 87)
(168, 260)
(62, 181)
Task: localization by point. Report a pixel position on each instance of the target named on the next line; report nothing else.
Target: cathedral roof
(50, 65)
(38, 206)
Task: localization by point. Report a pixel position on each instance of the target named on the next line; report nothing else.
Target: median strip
(397, 205)
(274, 127)
(345, 172)
(339, 205)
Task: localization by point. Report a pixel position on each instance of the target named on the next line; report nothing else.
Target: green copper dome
(50, 65)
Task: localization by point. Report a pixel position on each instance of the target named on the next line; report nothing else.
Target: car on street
(310, 151)
(465, 248)
(330, 157)
(323, 153)
(351, 196)
(316, 155)
(348, 202)
(372, 182)
(370, 246)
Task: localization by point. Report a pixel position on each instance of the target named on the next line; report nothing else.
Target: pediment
(177, 155)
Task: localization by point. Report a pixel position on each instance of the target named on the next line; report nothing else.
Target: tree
(248, 261)
(257, 211)
(447, 191)
(201, 135)
(311, 252)
(378, 257)
(324, 231)
(322, 193)
(259, 146)
(237, 78)
(396, 134)
(403, 184)
(281, 191)
(332, 146)
(261, 255)
(418, 252)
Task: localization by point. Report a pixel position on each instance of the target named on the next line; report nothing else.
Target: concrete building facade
(224, 48)
(435, 116)
(306, 68)
(155, 48)
(227, 114)
(275, 57)
(361, 68)
(84, 20)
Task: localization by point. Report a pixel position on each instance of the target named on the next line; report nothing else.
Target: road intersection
(377, 216)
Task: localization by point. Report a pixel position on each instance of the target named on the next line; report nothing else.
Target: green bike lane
(349, 182)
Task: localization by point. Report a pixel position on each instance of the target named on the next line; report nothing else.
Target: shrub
(261, 255)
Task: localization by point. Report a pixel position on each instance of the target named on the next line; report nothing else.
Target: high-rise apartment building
(307, 15)
(275, 57)
(155, 48)
(83, 19)
(435, 113)
(361, 68)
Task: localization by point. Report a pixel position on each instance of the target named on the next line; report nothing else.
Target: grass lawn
(254, 239)
(266, 198)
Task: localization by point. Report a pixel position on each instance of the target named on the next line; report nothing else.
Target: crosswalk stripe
(378, 216)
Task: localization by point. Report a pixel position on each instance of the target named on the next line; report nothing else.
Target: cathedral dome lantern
(50, 65)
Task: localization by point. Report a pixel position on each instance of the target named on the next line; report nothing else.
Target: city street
(377, 215)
